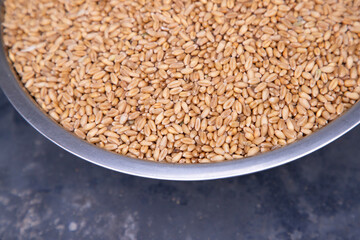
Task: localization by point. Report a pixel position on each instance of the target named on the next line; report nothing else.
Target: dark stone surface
(47, 193)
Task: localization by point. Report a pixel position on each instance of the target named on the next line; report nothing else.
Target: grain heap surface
(187, 81)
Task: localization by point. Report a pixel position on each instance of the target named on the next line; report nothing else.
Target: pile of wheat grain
(187, 81)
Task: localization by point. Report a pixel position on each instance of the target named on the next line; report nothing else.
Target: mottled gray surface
(47, 193)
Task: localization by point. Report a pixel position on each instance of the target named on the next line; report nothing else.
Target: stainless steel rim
(29, 109)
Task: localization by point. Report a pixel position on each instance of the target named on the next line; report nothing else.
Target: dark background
(47, 193)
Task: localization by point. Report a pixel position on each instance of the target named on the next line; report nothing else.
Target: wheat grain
(187, 81)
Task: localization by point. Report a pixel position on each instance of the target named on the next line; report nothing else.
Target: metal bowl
(32, 113)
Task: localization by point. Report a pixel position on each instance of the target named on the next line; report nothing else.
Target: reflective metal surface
(29, 109)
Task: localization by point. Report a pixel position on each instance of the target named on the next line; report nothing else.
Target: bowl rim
(36, 117)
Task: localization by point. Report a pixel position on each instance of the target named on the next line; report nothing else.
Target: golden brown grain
(187, 81)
